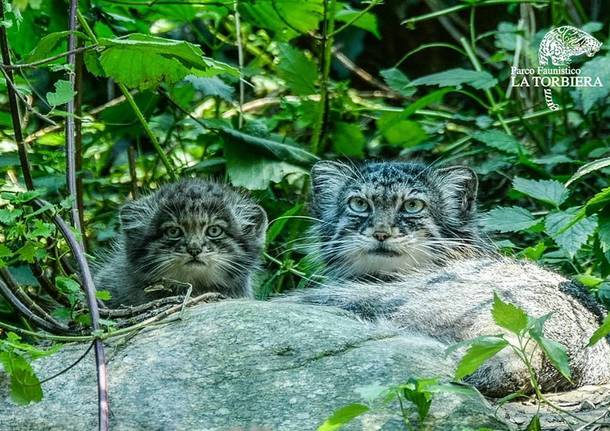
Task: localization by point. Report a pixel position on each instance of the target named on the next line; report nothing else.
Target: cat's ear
(461, 183)
(135, 214)
(256, 221)
(326, 175)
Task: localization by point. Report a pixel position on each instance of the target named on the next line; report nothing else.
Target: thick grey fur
(451, 300)
(145, 255)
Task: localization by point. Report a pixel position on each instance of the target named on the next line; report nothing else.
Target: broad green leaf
(103, 295)
(457, 77)
(47, 46)
(366, 21)
(588, 168)
(141, 61)
(417, 391)
(25, 386)
(479, 351)
(568, 235)
(42, 229)
(286, 17)
(398, 82)
(601, 332)
(399, 132)
(597, 202)
(299, 72)
(27, 253)
(343, 416)
(555, 352)
(279, 150)
(5, 251)
(534, 253)
(213, 86)
(348, 139)
(499, 140)
(63, 93)
(508, 316)
(549, 191)
(508, 219)
(598, 67)
(8, 217)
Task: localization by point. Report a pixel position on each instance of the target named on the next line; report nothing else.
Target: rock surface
(245, 365)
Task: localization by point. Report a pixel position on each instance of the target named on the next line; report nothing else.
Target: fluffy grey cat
(198, 232)
(380, 219)
(415, 225)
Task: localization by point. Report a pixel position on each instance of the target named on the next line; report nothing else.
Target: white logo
(559, 46)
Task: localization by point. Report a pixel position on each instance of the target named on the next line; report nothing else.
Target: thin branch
(78, 145)
(361, 73)
(14, 107)
(59, 328)
(47, 286)
(49, 59)
(28, 107)
(87, 282)
(240, 60)
(131, 158)
(69, 367)
(70, 121)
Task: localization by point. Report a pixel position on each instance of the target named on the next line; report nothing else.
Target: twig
(47, 286)
(78, 130)
(49, 59)
(69, 367)
(361, 73)
(113, 313)
(328, 26)
(20, 292)
(14, 108)
(70, 124)
(240, 60)
(25, 311)
(28, 107)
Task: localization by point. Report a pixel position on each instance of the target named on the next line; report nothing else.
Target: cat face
(391, 217)
(194, 232)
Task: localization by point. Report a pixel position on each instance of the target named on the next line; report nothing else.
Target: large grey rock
(245, 365)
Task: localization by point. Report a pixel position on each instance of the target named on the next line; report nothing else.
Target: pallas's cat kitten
(379, 219)
(198, 232)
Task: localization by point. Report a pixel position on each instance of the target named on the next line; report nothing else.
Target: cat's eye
(214, 231)
(358, 204)
(173, 232)
(413, 206)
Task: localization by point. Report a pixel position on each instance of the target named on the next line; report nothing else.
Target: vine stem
(328, 27)
(135, 108)
(14, 107)
(477, 66)
(240, 60)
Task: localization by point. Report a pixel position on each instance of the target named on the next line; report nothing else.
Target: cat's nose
(194, 250)
(381, 235)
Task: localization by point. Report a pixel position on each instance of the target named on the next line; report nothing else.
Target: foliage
(254, 92)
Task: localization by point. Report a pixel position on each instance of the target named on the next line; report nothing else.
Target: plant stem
(453, 9)
(477, 66)
(240, 61)
(50, 59)
(328, 26)
(371, 5)
(14, 107)
(136, 109)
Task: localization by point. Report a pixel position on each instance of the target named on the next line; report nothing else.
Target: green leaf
(534, 424)
(299, 72)
(603, 232)
(141, 61)
(276, 227)
(508, 219)
(481, 349)
(25, 386)
(27, 253)
(508, 316)
(8, 217)
(555, 352)
(343, 416)
(549, 191)
(398, 82)
(457, 77)
(601, 332)
(214, 87)
(103, 295)
(279, 150)
(588, 168)
(499, 140)
(286, 17)
(367, 21)
(566, 233)
(417, 391)
(597, 68)
(63, 93)
(348, 139)
(399, 132)
(42, 229)
(47, 46)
